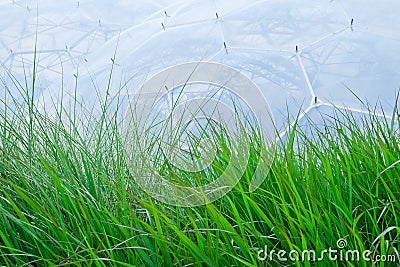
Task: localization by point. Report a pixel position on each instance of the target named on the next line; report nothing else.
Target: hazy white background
(296, 52)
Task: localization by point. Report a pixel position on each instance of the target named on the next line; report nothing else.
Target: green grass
(67, 196)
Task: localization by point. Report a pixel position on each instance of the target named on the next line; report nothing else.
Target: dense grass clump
(67, 197)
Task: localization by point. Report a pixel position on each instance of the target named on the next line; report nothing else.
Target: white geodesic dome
(303, 55)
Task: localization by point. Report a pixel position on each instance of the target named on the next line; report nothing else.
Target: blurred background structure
(305, 56)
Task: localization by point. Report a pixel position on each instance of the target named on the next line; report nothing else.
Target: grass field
(67, 198)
